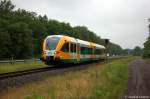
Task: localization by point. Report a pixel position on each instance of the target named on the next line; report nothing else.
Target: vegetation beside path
(102, 81)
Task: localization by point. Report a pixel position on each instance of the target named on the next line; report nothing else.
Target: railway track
(25, 72)
(34, 71)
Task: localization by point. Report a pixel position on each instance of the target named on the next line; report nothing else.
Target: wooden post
(12, 60)
(106, 46)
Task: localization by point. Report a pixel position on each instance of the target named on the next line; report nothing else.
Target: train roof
(54, 36)
(82, 42)
(100, 46)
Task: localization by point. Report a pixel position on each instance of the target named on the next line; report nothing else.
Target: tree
(147, 49)
(21, 32)
(4, 44)
(114, 49)
(137, 51)
(127, 52)
(6, 6)
(146, 53)
(21, 40)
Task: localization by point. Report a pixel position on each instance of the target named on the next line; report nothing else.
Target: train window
(94, 51)
(102, 51)
(86, 50)
(65, 47)
(73, 48)
(82, 50)
(91, 51)
(98, 51)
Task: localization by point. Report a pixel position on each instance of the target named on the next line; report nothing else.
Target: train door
(78, 52)
(73, 50)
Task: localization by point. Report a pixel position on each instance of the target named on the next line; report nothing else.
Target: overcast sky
(124, 22)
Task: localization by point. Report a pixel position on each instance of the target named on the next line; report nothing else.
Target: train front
(49, 49)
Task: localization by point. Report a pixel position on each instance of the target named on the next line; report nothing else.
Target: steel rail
(25, 72)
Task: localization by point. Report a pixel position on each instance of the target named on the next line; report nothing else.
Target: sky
(124, 22)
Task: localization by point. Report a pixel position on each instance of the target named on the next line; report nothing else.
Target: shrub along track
(15, 79)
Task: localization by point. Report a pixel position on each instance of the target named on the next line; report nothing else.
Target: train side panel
(64, 53)
(71, 50)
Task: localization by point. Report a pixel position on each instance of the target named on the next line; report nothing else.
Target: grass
(5, 68)
(113, 80)
(107, 81)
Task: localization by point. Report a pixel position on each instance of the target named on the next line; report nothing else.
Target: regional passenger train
(65, 49)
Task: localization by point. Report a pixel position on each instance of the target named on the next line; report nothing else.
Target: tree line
(146, 53)
(22, 32)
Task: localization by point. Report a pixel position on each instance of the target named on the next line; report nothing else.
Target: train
(61, 49)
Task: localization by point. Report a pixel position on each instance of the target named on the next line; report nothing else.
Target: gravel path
(139, 80)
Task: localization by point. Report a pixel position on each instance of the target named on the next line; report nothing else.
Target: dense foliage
(114, 49)
(137, 51)
(22, 32)
(147, 46)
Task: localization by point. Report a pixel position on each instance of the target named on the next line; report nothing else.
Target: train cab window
(65, 47)
(51, 43)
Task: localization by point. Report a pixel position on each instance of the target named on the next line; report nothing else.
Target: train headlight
(56, 52)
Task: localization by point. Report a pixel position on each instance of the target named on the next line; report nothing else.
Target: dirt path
(139, 80)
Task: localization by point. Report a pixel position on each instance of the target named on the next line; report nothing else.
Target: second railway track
(25, 72)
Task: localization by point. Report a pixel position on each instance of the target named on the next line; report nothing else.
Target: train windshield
(52, 42)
